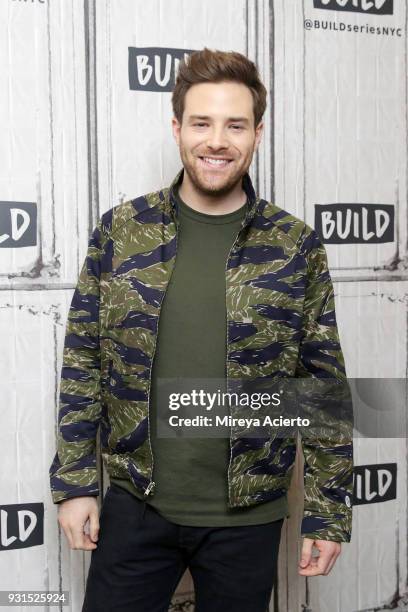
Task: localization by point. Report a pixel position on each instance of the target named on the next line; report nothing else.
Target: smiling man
(216, 148)
(203, 279)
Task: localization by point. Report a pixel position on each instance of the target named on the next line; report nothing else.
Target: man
(199, 280)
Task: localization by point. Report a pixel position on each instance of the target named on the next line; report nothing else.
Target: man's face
(217, 124)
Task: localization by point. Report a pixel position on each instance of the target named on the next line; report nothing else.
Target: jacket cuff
(324, 526)
(74, 479)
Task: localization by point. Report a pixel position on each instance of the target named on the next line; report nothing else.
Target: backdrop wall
(85, 114)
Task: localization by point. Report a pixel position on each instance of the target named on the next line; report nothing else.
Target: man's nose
(217, 139)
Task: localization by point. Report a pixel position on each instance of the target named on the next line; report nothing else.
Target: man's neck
(211, 205)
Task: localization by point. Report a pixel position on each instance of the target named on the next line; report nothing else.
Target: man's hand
(322, 564)
(73, 514)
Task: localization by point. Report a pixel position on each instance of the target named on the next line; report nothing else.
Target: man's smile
(217, 163)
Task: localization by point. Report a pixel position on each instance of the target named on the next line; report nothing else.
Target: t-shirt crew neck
(201, 217)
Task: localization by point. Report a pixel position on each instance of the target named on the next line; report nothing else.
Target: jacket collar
(253, 200)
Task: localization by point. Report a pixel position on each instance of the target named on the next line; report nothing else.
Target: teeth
(216, 162)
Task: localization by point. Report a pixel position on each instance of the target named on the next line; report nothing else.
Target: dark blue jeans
(141, 557)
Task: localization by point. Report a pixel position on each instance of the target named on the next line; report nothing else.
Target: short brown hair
(215, 66)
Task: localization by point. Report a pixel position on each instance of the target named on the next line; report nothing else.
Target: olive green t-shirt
(190, 474)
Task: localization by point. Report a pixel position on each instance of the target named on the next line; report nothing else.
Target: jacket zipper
(226, 365)
(150, 487)
(152, 484)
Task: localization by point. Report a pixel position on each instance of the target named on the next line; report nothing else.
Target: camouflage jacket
(280, 323)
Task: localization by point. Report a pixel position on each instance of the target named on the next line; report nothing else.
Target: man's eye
(199, 124)
(238, 127)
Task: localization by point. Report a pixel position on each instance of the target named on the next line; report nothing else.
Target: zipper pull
(149, 488)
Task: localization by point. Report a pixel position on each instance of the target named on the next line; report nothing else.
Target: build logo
(154, 68)
(374, 483)
(374, 7)
(21, 526)
(18, 224)
(355, 223)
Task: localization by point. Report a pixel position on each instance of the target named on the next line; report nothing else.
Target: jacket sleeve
(328, 458)
(73, 471)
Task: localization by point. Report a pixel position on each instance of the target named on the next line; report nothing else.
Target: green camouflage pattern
(280, 323)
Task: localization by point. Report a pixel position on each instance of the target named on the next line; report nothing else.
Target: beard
(218, 185)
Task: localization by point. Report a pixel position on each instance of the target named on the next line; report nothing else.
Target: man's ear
(258, 133)
(176, 127)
